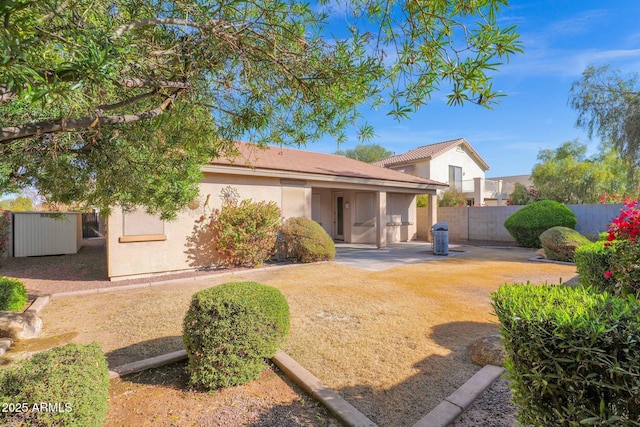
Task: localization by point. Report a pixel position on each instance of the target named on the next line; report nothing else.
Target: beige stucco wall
(177, 245)
(180, 249)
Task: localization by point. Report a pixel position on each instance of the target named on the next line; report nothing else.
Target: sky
(561, 38)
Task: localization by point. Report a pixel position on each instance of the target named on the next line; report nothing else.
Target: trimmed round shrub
(13, 295)
(527, 224)
(560, 243)
(230, 329)
(64, 386)
(593, 261)
(307, 241)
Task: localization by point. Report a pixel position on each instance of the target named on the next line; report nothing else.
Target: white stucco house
(455, 162)
(353, 201)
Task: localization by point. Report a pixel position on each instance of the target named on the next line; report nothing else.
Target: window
(365, 209)
(398, 209)
(139, 226)
(455, 177)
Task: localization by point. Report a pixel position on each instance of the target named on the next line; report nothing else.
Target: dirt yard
(393, 343)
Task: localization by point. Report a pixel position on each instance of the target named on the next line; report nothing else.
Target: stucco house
(455, 162)
(353, 201)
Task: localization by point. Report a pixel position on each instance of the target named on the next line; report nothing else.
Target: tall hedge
(64, 386)
(527, 224)
(229, 330)
(572, 355)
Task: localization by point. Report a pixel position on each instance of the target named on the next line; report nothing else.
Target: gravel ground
(493, 408)
(85, 270)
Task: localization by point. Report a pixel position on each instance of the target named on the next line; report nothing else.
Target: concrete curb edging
(452, 407)
(141, 365)
(550, 261)
(339, 407)
(153, 283)
(39, 304)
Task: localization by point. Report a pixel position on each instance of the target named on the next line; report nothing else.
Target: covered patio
(371, 258)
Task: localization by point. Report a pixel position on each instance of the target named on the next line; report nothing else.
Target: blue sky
(561, 38)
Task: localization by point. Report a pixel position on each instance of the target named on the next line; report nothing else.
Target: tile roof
(429, 152)
(291, 160)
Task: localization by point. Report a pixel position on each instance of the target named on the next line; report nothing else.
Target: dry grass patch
(393, 343)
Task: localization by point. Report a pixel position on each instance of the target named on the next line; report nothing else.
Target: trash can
(440, 238)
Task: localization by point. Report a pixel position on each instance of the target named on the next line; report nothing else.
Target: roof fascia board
(235, 170)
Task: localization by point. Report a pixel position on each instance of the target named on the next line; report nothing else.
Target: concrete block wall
(486, 222)
(593, 219)
(458, 220)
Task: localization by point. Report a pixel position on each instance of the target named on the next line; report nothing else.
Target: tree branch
(128, 101)
(11, 133)
(151, 22)
(139, 83)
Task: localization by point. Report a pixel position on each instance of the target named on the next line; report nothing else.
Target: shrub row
(13, 295)
(572, 355)
(71, 381)
(230, 329)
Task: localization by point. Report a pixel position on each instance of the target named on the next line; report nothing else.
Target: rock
(540, 254)
(488, 350)
(560, 243)
(5, 343)
(20, 326)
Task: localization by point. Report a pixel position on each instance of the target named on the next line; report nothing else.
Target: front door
(338, 216)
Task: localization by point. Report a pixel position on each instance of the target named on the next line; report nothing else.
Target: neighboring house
(507, 184)
(353, 201)
(454, 162)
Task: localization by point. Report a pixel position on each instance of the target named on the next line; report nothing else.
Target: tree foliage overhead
(608, 105)
(568, 175)
(367, 153)
(121, 101)
(17, 204)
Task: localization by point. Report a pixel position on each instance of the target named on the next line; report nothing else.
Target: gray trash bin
(440, 238)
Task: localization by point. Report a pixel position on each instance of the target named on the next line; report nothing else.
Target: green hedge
(527, 224)
(307, 241)
(13, 295)
(572, 355)
(72, 382)
(229, 330)
(592, 262)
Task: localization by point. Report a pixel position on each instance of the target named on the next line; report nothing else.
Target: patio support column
(381, 219)
(432, 216)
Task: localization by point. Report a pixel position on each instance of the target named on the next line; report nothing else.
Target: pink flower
(608, 274)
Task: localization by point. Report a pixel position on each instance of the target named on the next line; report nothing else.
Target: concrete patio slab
(368, 257)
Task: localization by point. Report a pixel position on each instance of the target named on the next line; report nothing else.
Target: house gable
(433, 161)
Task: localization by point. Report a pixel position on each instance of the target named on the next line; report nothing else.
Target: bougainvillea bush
(623, 240)
(5, 223)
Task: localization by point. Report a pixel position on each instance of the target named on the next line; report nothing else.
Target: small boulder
(20, 326)
(540, 254)
(560, 243)
(488, 350)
